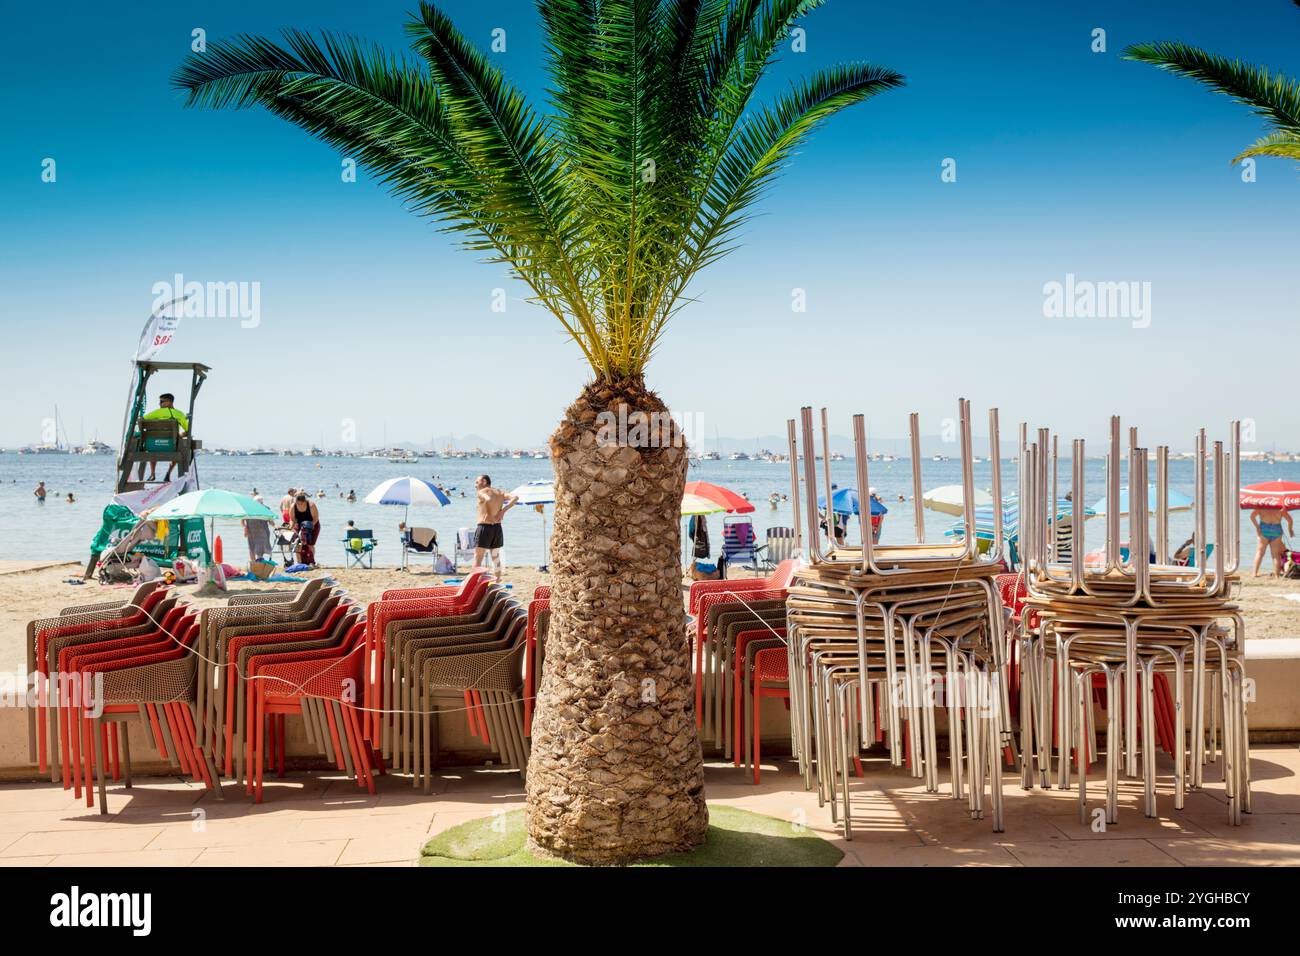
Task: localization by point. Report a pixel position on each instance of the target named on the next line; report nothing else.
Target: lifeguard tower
(162, 442)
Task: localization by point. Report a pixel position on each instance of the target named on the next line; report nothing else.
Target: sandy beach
(33, 589)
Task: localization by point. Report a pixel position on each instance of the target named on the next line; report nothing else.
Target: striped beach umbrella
(725, 497)
(407, 492)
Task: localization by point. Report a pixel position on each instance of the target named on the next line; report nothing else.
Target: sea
(57, 530)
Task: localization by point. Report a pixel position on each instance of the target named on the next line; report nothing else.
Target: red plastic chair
(235, 718)
(72, 686)
(738, 683)
(771, 679)
(707, 602)
(538, 604)
(437, 590)
(172, 641)
(278, 684)
(778, 579)
(381, 613)
(130, 616)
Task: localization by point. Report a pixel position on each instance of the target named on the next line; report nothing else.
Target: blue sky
(917, 290)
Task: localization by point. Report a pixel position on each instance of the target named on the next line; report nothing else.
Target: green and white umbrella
(213, 503)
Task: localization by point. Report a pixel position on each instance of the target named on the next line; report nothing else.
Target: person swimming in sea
(1268, 527)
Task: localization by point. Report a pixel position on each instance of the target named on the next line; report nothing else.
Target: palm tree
(607, 209)
(1272, 95)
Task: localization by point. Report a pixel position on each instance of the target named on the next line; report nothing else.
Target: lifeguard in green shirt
(166, 412)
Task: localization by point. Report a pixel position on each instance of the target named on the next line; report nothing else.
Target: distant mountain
(467, 443)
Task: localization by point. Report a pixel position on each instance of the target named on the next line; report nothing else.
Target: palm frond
(512, 150)
(757, 152)
(1268, 94)
(1282, 144)
(607, 208)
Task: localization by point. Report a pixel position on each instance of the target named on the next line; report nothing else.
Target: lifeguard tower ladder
(156, 441)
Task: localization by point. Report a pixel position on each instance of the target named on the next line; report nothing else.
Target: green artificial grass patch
(736, 838)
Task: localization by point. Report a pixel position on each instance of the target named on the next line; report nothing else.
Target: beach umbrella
(1272, 494)
(1177, 501)
(538, 494)
(845, 502)
(699, 505)
(984, 524)
(728, 499)
(213, 503)
(407, 491)
(949, 499)
(692, 506)
(535, 493)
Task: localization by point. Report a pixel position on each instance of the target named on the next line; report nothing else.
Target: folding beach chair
(464, 545)
(359, 548)
(779, 547)
(419, 541)
(739, 544)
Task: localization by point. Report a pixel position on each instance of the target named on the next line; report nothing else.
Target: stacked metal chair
(99, 666)
(873, 631)
(81, 623)
(322, 685)
(439, 651)
(718, 612)
(1133, 620)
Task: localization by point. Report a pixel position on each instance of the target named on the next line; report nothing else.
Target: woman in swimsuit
(306, 518)
(1268, 525)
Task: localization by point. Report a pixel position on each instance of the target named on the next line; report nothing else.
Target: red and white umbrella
(1272, 494)
(726, 499)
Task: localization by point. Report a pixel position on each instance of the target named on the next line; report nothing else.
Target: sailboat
(55, 447)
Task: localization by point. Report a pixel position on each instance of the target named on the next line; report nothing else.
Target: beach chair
(419, 541)
(739, 543)
(778, 547)
(359, 548)
(464, 545)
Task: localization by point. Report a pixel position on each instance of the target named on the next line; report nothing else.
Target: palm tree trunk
(616, 772)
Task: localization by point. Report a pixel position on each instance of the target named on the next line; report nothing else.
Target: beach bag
(149, 571)
(704, 571)
(443, 565)
(115, 572)
(261, 569)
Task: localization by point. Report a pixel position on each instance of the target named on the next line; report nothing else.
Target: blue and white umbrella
(538, 494)
(407, 492)
(845, 502)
